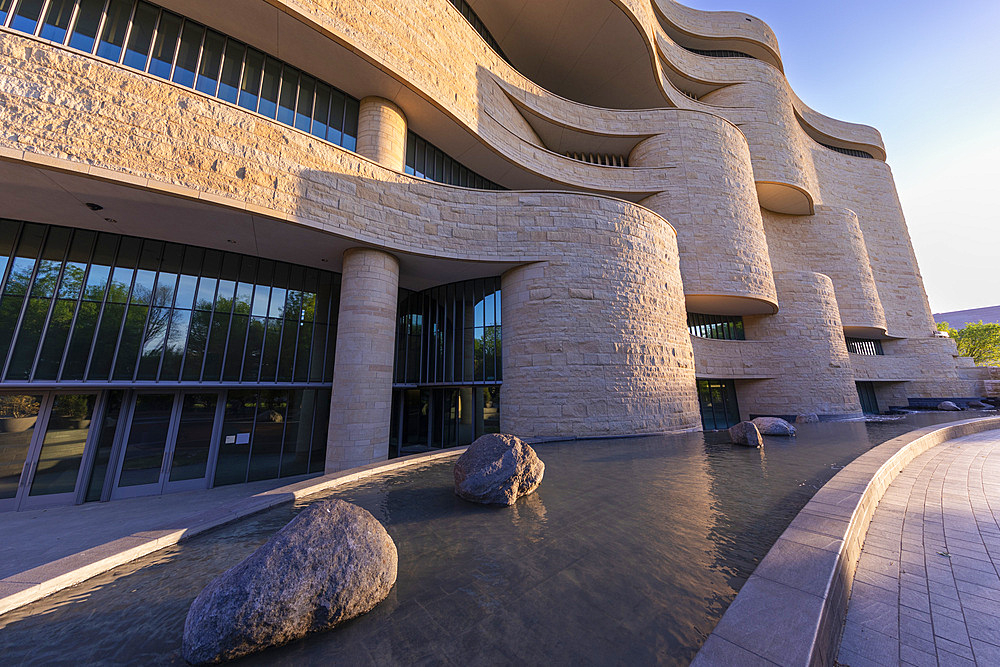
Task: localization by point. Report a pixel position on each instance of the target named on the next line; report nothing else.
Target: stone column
(382, 132)
(362, 373)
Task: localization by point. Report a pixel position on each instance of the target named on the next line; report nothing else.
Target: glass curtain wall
(425, 160)
(448, 366)
(186, 365)
(145, 37)
(83, 306)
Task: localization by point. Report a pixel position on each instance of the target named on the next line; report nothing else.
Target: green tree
(978, 340)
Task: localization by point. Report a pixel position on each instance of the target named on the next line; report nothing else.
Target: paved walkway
(927, 588)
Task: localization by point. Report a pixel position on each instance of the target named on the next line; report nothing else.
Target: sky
(926, 74)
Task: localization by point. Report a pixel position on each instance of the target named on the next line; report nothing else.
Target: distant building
(959, 318)
(250, 239)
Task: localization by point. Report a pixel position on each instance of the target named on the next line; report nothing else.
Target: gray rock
(497, 469)
(773, 426)
(978, 405)
(949, 406)
(810, 418)
(746, 433)
(332, 562)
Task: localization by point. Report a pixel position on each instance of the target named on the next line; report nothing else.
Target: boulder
(948, 405)
(746, 433)
(497, 469)
(978, 405)
(332, 562)
(773, 426)
(810, 418)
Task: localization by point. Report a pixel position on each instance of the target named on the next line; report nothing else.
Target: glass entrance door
(168, 443)
(43, 440)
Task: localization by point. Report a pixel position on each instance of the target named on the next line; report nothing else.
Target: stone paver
(927, 588)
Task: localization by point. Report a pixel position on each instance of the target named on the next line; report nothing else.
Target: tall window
(425, 160)
(717, 399)
(83, 306)
(147, 38)
(719, 327)
(450, 334)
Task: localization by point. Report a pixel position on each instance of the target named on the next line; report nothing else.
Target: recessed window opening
(425, 160)
(718, 327)
(864, 346)
(150, 39)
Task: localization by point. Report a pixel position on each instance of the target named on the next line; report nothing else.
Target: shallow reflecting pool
(628, 553)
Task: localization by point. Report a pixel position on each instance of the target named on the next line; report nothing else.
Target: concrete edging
(25, 587)
(792, 608)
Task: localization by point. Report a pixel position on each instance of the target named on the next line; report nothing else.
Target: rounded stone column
(361, 405)
(382, 132)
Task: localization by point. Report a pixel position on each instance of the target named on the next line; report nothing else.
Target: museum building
(259, 239)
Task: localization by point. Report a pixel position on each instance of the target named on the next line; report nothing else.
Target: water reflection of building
(258, 239)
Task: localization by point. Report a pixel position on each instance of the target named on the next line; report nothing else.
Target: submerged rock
(332, 562)
(746, 433)
(497, 469)
(809, 418)
(773, 426)
(948, 405)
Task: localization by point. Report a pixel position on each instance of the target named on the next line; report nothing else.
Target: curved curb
(25, 587)
(792, 608)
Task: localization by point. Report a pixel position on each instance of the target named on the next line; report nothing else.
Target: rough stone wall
(829, 242)
(633, 363)
(720, 232)
(361, 401)
(382, 133)
(70, 112)
(810, 359)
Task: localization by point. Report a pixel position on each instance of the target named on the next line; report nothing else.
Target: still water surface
(628, 553)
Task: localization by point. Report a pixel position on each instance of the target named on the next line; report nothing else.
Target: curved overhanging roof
(588, 51)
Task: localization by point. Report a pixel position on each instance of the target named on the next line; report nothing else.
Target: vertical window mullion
(52, 305)
(128, 32)
(38, 25)
(27, 297)
(100, 27)
(100, 314)
(71, 24)
(76, 309)
(177, 48)
(152, 41)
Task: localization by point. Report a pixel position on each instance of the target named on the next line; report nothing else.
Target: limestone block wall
(810, 355)
(763, 109)
(382, 132)
(720, 231)
(738, 359)
(829, 242)
(66, 111)
(632, 299)
(361, 400)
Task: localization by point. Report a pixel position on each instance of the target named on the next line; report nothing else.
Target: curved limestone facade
(256, 239)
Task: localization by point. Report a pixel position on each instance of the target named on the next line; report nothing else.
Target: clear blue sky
(927, 75)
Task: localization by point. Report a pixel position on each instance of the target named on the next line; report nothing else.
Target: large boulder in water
(773, 426)
(746, 433)
(497, 469)
(948, 406)
(332, 562)
(807, 418)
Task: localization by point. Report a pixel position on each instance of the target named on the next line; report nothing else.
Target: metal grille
(147, 38)
(864, 346)
(603, 159)
(719, 53)
(849, 151)
(719, 327)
